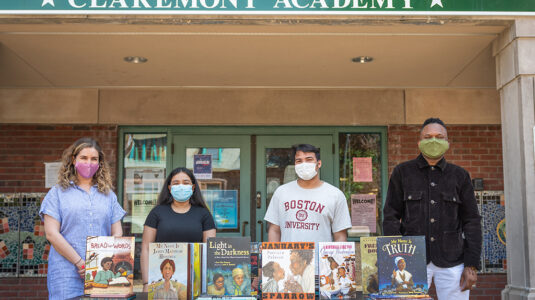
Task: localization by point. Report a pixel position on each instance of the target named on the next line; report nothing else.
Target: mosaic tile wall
(23, 246)
(492, 208)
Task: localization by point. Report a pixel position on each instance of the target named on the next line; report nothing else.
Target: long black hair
(166, 197)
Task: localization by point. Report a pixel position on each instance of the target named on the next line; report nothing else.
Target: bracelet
(145, 283)
(473, 268)
(77, 261)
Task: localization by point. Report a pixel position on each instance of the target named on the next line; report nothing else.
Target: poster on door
(363, 212)
(142, 204)
(223, 204)
(202, 166)
(362, 169)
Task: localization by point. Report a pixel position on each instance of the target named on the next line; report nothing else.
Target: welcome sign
(325, 7)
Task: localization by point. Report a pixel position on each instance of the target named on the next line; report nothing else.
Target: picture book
(169, 271)
(228, 264)
(358, 267)
(256, 267)
(109, 265)
(288, 270)
(204, 297)
(196, 270)
(203, 269)
(402, 265)
(368, 260)
(395, 297)
(337, 270)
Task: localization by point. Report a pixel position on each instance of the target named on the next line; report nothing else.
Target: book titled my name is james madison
(109, 263)
(228, 266)
(169, 271)
(288, 270)
(401, 263)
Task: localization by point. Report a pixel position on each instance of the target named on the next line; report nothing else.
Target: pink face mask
(86, 170)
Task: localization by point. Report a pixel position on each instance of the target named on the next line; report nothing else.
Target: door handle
(258, 200)
(243, 228)
(261, 230)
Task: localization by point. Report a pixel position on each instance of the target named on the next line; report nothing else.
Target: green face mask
(434, 148)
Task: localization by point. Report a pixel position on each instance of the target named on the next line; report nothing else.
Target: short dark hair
(105, 260)
(433, 121)
(216, 277)
(305, 148)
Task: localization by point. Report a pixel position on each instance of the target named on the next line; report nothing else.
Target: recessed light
(135, 59)
(362, 59)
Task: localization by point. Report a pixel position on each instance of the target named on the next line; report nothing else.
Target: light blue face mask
(181, 192)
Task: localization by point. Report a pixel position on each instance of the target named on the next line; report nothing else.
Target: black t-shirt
(172, 227)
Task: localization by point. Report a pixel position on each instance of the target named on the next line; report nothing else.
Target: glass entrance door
(275, 166)
(221, 164)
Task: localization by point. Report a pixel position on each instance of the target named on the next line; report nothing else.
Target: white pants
(447, 282)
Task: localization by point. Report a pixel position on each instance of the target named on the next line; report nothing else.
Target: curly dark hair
(305, 255)
(269, 269)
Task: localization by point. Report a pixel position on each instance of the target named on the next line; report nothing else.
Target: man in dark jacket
(429, 196)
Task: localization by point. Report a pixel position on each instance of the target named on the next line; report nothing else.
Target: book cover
(109, 266)
(336, 270)
(203, 269)
(402, 265)
(358, 267)
(288, 270)
(203, 297)
(169, 271)
(196, 271)
(395, 297)
(368, 259)
(256, 268)
(228, 264)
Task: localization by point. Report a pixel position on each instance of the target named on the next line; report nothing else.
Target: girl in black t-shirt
(180, 216)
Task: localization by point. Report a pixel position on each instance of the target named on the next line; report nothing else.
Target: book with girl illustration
(109, 266)
(288, 270)
(228, 266)
(337, 270)
(170, 274)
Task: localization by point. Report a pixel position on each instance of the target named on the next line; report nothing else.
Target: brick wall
(23, 288)
(25, 148)
(476, 148)
(23, 151)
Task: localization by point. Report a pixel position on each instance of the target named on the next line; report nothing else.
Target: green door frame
(221, 141)
(252, 132)
(323, 142)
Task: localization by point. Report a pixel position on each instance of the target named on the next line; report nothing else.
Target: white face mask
(306, 171)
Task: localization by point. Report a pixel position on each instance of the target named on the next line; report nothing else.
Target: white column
(515, 70)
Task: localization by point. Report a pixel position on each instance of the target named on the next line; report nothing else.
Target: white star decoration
(436, 2)
(45, 2)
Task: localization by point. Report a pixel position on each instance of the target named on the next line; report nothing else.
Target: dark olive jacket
(438, 202)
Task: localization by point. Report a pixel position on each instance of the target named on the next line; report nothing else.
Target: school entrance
(240, 168)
